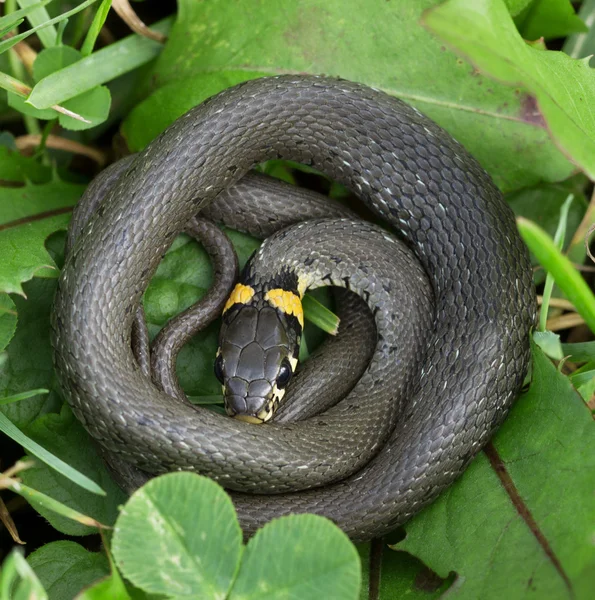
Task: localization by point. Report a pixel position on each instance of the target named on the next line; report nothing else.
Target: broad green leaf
(549, 342)
(391, 575)
(8, 320)
(210, 48)
(107, 588)
(178, 535)
(16, 168)
(54, 59)
(97, 68)
(298, 557)
(18, 581)
(560, 89)
(65, 437)
(587, 390)
(65, 568)
(28, 215)
(517, 6)
(579, 352)
(19, 103)
(27, 362)
(523, 537)
(93, 106)
(549, 19)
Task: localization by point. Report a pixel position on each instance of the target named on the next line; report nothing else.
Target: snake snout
(251, 402)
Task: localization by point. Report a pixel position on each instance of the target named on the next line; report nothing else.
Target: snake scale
(421, 183)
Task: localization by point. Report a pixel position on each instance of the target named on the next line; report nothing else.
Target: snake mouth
(249, 419)
(262, 416)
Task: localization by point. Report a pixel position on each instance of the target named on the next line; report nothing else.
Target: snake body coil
(409, 172)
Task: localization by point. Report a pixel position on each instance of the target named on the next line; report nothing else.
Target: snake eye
(285, 374)
(219, 368)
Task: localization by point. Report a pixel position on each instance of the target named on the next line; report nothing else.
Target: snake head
(256, 359)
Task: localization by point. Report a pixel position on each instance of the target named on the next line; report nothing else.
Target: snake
(422, 186)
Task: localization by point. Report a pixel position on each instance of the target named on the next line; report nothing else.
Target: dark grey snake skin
(419, 181)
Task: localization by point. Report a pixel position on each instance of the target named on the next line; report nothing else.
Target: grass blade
(96, 25)
(11, 20)
(13, 432)
(549, 280)
(22, 396)
(32, 495)
(98, 68)
(320, 315)
(9, 43)
(568, 279)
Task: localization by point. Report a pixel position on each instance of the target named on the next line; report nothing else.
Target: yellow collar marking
(288, 302)
(240, 295)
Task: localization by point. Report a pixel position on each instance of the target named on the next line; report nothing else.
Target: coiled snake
(422, 184)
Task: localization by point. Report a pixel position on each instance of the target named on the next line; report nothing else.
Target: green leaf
(93, 106)
(8, 320)
(65, 568)
(28, 215)
(569, 280)
(19, 103)
(582, 45)
(550, 19)
(27, 362)
(107, 588)
(16, 168)
(504, 527)
(9, 429)
(65, 437)
(211, 48)
(397, 575)
(54, 59)
(178, 535)
(97, 68)
(298, 557)
(559, 88)
(579, 352)
(28, 588)
(549, 342)
(96, 25)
